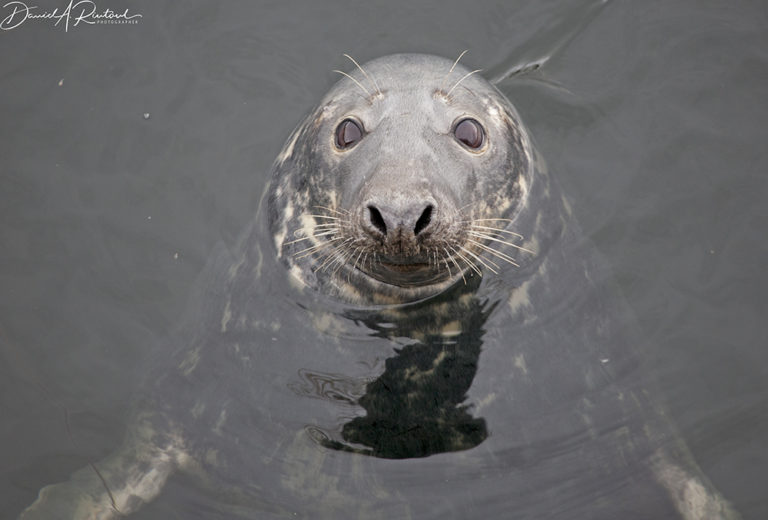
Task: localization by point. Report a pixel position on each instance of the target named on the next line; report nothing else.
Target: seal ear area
(348, 133)
(468, 132)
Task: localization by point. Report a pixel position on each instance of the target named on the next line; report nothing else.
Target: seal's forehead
(404, 66)
(408, 72)
(413, 82)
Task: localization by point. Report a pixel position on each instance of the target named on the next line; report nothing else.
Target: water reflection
(416, 406)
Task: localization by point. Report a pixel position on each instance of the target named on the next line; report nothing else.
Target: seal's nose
(399, 219)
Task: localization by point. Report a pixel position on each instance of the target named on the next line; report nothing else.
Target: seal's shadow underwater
(413, 177)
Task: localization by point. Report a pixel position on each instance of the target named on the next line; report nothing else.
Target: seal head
(401, 182)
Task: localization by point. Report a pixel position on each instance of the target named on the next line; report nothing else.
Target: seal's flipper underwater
(119, 484)
(412, 179)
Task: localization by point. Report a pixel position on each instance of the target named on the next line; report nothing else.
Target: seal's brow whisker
(510, 244)
(465, 76)
(451, 69)
(378, 90)
(367, 94)
(496, 253)
(457, 60)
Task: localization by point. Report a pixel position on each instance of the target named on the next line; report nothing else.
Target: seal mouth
(405, 273)
(405, 268)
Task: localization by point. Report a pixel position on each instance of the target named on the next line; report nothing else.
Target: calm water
(129, 152)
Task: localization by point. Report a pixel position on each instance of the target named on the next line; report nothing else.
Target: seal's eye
(348, 133)
(469, 133)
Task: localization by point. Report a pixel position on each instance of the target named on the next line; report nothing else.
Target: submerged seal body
(411, 179)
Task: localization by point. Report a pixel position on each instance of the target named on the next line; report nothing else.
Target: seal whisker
(322, 258)
(465, 76)
(469, 263)
(450, 257)
(447, 266)
(460, 212)
(362, 251)
(354, 266)
(367, 94)
(328, 259)
(312, 249)
(341, 212)
(496, 253)
(497, 230)
(338, 253)
(335, 254)
(510, 244)
(349, 273)
(302, 230)
(457, 60)
(376, 86)
(330, 225)
(483, 262)
(342, 258)
(316, 235)
(451, 69)
(493, 234)
(323, 216)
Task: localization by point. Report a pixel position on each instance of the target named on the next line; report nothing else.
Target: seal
(439, 299)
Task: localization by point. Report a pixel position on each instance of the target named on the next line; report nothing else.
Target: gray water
(129, 152)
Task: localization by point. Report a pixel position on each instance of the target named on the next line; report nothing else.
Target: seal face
(401, 182)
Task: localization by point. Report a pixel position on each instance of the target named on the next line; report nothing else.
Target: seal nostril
(423, 221)
(377, 220)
